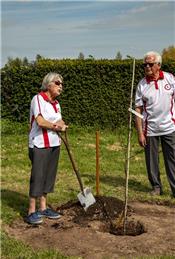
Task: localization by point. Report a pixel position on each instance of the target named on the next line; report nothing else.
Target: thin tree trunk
(127, 162)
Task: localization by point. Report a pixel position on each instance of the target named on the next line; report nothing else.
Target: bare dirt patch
(150, 230)
(115, 147)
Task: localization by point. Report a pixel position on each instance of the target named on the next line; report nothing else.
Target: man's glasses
(58, 83)
(149, 64)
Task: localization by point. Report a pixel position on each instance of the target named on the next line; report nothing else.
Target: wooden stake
(97, 164)
(127, 162)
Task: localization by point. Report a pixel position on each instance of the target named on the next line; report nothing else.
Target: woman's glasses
(58, 83)
(149, 64)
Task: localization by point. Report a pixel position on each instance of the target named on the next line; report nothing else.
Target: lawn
(15, 174)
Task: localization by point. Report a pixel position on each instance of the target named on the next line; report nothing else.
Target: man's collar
(161, 76)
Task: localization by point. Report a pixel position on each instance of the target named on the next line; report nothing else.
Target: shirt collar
(149, 79)
(45, 97)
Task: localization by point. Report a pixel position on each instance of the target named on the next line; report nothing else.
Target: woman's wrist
(54, 127)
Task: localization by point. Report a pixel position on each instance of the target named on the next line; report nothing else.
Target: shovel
(85, 196)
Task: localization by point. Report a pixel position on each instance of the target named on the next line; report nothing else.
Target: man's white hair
(158, 58)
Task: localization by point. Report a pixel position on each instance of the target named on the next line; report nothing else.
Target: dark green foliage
(96, 92)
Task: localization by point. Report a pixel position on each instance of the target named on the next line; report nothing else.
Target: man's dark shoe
(156, 191)
(49, 213)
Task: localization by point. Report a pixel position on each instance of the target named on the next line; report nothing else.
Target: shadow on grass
(15, 200)
(118, 181)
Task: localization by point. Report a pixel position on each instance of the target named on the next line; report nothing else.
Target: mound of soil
(98, 232)
(108, 211)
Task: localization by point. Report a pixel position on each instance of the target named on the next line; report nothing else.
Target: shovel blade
(86, 199)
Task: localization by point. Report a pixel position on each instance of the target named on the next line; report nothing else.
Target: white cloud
(98, 28)
(138, 17)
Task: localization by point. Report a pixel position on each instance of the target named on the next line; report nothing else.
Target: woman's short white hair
(50, 77)
(158, 58)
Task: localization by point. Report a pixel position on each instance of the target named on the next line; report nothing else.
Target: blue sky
(63, 29)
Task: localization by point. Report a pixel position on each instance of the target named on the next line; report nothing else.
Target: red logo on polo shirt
(167, 87)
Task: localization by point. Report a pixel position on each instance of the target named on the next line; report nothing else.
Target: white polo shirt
(51, 111)
(158, 100)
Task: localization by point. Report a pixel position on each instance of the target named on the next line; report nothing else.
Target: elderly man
(155, 100)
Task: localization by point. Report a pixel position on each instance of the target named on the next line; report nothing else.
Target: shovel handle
(66, 143)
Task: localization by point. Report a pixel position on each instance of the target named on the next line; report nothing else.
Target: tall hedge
(96, 92)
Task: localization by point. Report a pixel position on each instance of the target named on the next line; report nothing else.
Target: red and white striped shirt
(50, 111)
(158, 100)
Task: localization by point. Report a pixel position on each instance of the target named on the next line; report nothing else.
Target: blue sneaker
(34, 218)
(49, 213)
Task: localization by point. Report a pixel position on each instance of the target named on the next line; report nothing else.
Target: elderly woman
(44, 146)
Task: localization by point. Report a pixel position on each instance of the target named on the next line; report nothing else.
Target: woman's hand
(60, 126)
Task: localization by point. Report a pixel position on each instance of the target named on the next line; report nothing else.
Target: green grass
(15, 168)
(12, 248)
